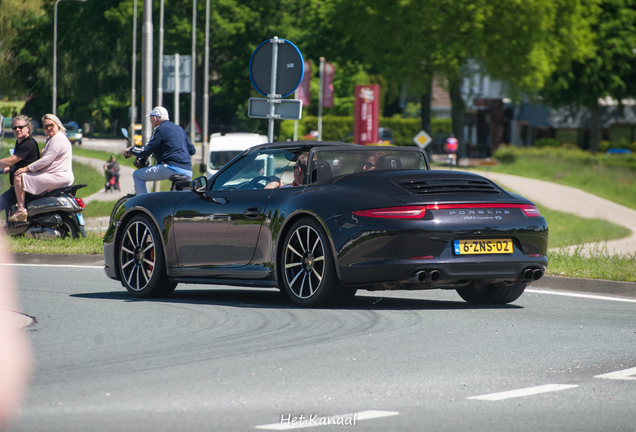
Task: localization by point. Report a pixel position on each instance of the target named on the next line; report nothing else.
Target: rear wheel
(492, 294)
(309, 273)
(141, 260)
(67, 228)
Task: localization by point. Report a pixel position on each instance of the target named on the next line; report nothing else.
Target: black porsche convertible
(323, 220)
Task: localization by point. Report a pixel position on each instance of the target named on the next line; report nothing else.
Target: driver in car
(299, 174)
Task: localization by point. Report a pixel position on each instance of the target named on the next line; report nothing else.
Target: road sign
(422, 140)
(170, 72)
(284, 109)
(289, 67)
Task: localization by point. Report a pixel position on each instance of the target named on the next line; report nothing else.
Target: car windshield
(330, 162)
(218, 159)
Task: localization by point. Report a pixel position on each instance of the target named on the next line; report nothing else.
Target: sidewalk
(125, 181)
(577, 202)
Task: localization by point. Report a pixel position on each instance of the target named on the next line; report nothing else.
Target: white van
(225, 147)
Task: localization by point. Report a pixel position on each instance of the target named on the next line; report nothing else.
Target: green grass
(567, 229)
(98, 208)
(92, 244)
(613, 183)
(599, 265)
(102, 155)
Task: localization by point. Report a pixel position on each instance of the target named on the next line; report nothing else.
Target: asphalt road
(230, 359)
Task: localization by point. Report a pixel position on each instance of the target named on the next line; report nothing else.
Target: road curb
(59, 259)
(559, 283)
(595, 286)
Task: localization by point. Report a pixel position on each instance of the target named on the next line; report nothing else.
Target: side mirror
(199, 185)
(124, 132)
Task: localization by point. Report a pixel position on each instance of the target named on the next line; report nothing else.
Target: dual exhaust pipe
(427, 276)
(530, 274)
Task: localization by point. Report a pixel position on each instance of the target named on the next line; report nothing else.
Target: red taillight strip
(416, 212)
(406, 212)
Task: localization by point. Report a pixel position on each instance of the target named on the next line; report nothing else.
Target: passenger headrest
(321, 171)
(389, 162)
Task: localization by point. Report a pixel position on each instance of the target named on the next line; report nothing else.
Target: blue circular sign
(290, 68)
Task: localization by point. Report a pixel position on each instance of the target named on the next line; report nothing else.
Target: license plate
(486, 246)
(80, 218)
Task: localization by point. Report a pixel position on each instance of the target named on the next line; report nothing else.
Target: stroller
(111, 171)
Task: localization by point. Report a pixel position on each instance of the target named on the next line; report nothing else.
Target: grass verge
(92, 244)
(599, 265)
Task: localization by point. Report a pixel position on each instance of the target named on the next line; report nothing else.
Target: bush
(506, 154)
(547, 142)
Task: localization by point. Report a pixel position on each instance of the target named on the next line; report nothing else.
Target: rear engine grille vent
(431, 187)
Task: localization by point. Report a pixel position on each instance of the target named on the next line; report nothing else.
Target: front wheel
(493, 294)
(309, 273)
(141, 260)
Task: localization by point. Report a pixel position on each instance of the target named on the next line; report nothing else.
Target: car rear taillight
(406, 212)
(417, 212)
(530, 210)
(80, 203)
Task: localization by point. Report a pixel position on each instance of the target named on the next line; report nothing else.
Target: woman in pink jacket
(53, 170)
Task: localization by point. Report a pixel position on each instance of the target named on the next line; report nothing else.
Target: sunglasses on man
(18, 127)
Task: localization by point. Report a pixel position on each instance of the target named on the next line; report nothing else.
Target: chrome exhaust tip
(434, 275)
(528, 274)
(537, 274)
(421, 276)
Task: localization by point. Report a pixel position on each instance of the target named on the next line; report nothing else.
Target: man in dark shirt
(170, 146)
(25, 153)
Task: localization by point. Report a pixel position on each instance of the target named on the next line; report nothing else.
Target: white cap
(160, 112)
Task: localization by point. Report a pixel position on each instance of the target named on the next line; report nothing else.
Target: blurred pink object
(15, 352)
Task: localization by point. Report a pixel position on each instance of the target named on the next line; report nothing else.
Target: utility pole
(206, 89)
(146, 72)
(193, 99)
(133, 93)
(160, 69)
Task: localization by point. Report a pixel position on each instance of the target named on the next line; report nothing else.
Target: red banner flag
(304, 93)
(367, 118)
(327, 85)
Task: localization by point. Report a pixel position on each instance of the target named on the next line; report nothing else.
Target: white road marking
(290, 422)
(626, 374)
(523, 392)
(587, 296)
(53, 265)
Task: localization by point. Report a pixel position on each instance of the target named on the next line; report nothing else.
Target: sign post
(276, 69)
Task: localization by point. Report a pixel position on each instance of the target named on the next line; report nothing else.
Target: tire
(492, 294)
(308, 269)
(68, 228)
(140, 260)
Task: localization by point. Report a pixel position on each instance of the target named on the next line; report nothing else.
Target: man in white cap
(170, 146)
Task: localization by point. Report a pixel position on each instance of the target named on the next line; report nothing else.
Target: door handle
(252, 213)
(219, 200)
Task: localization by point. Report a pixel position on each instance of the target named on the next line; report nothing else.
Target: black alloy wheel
(141, 260)
(309, 274)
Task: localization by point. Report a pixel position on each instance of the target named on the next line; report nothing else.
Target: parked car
(225, 147)
(137, 135)
(364, 218)
(73, 133)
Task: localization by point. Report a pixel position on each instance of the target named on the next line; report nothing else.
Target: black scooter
(53, 214)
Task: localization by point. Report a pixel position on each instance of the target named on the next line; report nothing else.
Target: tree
(608, 72)
(412, 41)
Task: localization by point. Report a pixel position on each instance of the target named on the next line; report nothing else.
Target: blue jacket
(170, 145)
